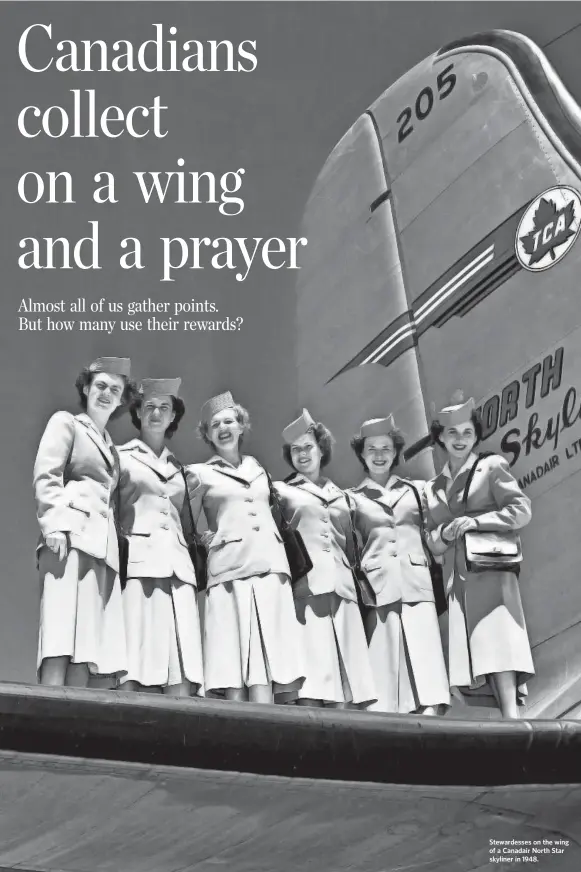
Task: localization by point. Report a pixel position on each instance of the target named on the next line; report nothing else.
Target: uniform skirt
(81, 612)
(406, 655)
(338, 667)
(487, 631)
(251, 635)
(162, 627)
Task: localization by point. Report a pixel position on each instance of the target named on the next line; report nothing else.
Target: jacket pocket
(139, 547)
(418, 559)
(225, 555)
(79, 507)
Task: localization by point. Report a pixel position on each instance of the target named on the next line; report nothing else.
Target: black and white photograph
(291, 347)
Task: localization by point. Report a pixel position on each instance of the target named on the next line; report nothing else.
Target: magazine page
(291, 349)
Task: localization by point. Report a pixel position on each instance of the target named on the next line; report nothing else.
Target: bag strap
(471, 474)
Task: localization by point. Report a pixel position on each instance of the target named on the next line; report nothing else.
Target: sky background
(319, 66)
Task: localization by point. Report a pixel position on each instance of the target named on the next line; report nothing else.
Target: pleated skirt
(251, 635)
(337, 662)
(81, 612)
(487, 631)
(406, 655)
(162, 627)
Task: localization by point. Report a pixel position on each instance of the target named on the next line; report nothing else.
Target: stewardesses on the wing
(162, 624)
(75, 475)
(338, 670)
(402, 630)
(487, 631)
(251, 636)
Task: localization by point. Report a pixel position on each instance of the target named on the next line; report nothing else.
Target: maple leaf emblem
(551, 227)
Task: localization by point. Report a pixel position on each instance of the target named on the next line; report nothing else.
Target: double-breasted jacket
(75, 475)
(151, 499)
(389, 523)
(321, 515)
(494, 499)
(236, 503)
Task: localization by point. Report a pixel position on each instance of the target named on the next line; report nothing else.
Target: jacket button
(252, 514)
(325, 535)
(256, 528)
(104, 500)
(248, 500)
(164, 511)
(325, 520)
(104, 514)
(164, 527)
(326, 547)
(246, 484)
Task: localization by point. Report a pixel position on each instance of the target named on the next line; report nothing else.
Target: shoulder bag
(365, 592)
(436, 572)
(490, 551)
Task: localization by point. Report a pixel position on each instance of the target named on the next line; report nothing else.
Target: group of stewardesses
(263, 639)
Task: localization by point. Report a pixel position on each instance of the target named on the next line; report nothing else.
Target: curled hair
(178, 408)
(436, 430)
(396, 436)
(323, 438)
(84, 380)
(242, 416)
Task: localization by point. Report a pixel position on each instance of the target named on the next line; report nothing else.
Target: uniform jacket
(321, 515)
(393, 557)
(151, 500)
(235, 501)
(495, 499)
(75, 474)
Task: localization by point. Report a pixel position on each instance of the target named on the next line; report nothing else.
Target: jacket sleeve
(514, 507)
(433, 531)
(53, 454)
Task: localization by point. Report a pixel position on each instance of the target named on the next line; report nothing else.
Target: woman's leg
(430, 710)
(182, 689)
(505, 687)
(53, 671)
(236, 694)
(77, 675)
(260, 693)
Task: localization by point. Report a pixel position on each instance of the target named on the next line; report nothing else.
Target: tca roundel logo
(548, 228)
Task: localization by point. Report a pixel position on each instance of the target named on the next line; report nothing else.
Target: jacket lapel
(328, 493)
(100, 441)
(248, 471)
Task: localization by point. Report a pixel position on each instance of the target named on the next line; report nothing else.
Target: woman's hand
(206, 538)
(57, 542)
(458, 527)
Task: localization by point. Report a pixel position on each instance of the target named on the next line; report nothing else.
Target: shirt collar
(468, 463)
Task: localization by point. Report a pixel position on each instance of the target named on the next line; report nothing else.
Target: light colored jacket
(235, 501)
(321, 515)
(495, 499)
(151, 501)
(393, 556)
(75, 474)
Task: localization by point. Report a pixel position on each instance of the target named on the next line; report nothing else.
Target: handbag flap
(492, 544)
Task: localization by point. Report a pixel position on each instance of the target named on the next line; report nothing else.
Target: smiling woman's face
(378, 453)
(306, 455)
(459, 440)
(104, 394)
(225, 430)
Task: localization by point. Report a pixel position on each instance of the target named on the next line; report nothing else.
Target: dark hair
(242, 417)
(178, 407)
(396, 436)
(436, 430)
(323, 438)
(86, 376)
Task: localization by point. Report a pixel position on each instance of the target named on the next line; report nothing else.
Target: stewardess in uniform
(251, 636)
(488, 637)
(403, 632)
(75, 475)
(162, 624)
(338, 669)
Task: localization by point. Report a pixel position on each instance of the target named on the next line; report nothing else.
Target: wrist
(443, 536)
